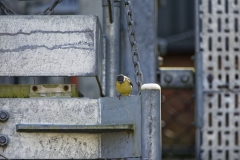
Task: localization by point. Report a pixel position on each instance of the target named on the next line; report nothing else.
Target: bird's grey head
(120, 78)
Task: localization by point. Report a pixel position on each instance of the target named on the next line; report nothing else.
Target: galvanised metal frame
(36, 127)
(217, 79)
(198, 84)
(50, 45)
(83, 128)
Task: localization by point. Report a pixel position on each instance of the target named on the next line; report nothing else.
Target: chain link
(5, 9)
(50, 10)
(47, 11)
(132, 39)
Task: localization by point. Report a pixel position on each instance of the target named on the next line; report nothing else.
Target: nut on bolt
(3, 140)
(4, 116)
(185, 78)
(168, 78)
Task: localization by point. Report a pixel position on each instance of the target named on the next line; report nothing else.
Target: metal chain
(50, 10)
(47, 11)
(5, 9)
(132, 39)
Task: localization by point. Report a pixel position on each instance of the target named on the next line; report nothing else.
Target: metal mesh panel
(219, 45)
(178, 132)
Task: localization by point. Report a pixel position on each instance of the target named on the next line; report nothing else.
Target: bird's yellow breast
(124, 88)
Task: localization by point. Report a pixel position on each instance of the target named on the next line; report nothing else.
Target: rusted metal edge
(75, 128)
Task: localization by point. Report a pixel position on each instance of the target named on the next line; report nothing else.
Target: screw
(168, 78)
(34, 88)
(65, 88)
(185, 78)
(4, 116)
(3, 140)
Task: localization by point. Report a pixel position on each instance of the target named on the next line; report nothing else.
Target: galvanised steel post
(112, 34)
(199, 83)
(151, 118)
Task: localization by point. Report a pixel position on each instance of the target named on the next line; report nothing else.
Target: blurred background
(173, 47)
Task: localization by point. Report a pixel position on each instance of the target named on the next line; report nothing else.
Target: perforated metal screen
(219, 36)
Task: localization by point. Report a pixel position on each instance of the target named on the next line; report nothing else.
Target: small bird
(123, 85)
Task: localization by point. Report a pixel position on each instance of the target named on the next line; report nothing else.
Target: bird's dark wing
(128, 79)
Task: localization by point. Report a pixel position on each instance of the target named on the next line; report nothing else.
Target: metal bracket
(97, 128)
(50, 58)
(177, 77)
(59, 53)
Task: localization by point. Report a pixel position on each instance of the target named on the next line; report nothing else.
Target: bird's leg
(119, 96)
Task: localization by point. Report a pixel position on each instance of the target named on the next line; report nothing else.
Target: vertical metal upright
(150, 120)
(112, 34)
(198, 84)
(217, 79)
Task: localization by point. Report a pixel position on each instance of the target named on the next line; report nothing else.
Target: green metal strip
(23, 91)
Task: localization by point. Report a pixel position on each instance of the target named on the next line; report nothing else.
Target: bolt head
(4, 116)
(168, 78)
(185, 78)
(3, 140)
